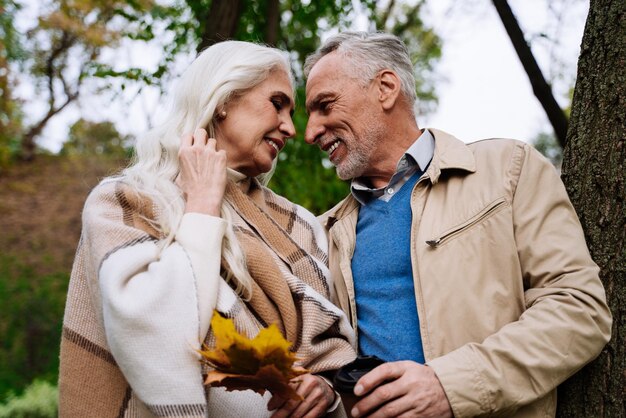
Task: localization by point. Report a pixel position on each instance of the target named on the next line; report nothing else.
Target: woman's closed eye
(278, 104)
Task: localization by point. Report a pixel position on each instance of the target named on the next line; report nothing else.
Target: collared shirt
(417, 157)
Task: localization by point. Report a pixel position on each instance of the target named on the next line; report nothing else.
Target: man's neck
(380, 172)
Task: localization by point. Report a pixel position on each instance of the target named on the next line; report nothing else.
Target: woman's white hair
(221, 72)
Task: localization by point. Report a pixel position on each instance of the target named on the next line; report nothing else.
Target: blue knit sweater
(383, 279)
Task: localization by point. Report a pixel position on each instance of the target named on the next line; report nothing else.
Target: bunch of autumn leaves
(259, 364)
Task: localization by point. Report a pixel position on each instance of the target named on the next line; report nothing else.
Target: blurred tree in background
(89, 138)
(31, 312)
(39, 400)
(547, 144)
(66, 54)
(10, 110)
(304, 174)
(66, 47)
(66, 57)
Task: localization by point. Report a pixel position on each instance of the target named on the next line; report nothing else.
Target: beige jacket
(509, 300)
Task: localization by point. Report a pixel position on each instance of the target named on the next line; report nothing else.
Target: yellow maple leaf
(259, 364)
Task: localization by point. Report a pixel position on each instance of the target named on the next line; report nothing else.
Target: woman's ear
(221, 114)
(389, 88)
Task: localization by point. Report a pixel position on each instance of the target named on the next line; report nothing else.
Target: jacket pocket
(489, 210)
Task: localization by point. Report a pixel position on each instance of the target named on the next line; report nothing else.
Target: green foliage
(306, 180)
(10, 109)
(424, 45)
(303, 174)
(547, 144)
(12, 48)
(65, 49)
(148, 22)
(78, 30)
(31, 314)
(81, 29)
(302, 24)
(39, 400)
(95, 138)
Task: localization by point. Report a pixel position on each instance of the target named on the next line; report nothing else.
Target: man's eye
(324, 106)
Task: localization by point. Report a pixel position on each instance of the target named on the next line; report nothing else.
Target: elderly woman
(188, 228)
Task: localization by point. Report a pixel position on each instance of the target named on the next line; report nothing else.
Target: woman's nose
(287, 128)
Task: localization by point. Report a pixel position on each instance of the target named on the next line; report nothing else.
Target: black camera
(345, 379)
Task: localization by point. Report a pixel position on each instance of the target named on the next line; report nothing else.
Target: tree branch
(541, 88)
(385, 17)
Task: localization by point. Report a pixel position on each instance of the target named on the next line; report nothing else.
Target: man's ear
(389, 88)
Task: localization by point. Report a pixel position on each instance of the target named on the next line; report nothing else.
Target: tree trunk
(594, 172)
(273, 22)
(221, 22)
(542, 90)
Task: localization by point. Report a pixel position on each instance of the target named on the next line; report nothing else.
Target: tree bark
(594, 173)
(541, 88)
(273, 22)
(221, 22)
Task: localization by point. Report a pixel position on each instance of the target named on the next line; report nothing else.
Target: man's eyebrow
(315, 102)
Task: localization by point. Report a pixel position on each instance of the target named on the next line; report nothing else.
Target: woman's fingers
(316, 394)
(211, 144)
(185, 141)
(200, 137)
(202, 175)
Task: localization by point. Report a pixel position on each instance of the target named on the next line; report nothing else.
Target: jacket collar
(450, 153)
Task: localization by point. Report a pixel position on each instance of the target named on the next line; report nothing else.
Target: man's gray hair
(369, 53)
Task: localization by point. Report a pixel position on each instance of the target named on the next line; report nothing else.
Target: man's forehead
(326, 73)
(331, 62)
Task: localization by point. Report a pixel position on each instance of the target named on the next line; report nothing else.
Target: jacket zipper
(473, 221)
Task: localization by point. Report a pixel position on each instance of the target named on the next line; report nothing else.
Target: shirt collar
(416, 157)
(422, 150)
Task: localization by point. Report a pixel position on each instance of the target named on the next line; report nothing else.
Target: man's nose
(313, 130)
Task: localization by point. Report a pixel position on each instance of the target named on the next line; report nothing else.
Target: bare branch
(541, 88)
(385, 17)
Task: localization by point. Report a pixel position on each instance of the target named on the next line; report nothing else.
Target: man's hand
(318, 396)
(401, 389)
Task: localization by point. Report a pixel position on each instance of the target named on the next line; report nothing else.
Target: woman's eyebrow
(284, 98)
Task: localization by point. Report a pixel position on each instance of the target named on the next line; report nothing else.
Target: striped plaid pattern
(286, 252)
(282, 239)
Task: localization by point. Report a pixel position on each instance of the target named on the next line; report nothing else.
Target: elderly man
(464, 266)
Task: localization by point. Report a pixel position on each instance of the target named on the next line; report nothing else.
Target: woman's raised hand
(202, 175)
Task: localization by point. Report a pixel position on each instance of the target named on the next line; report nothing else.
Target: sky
(487, 93)
(483, 90)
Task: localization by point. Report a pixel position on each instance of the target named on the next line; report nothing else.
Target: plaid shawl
(135, 313)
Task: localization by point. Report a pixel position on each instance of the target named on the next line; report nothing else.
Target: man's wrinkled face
(342, 116)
